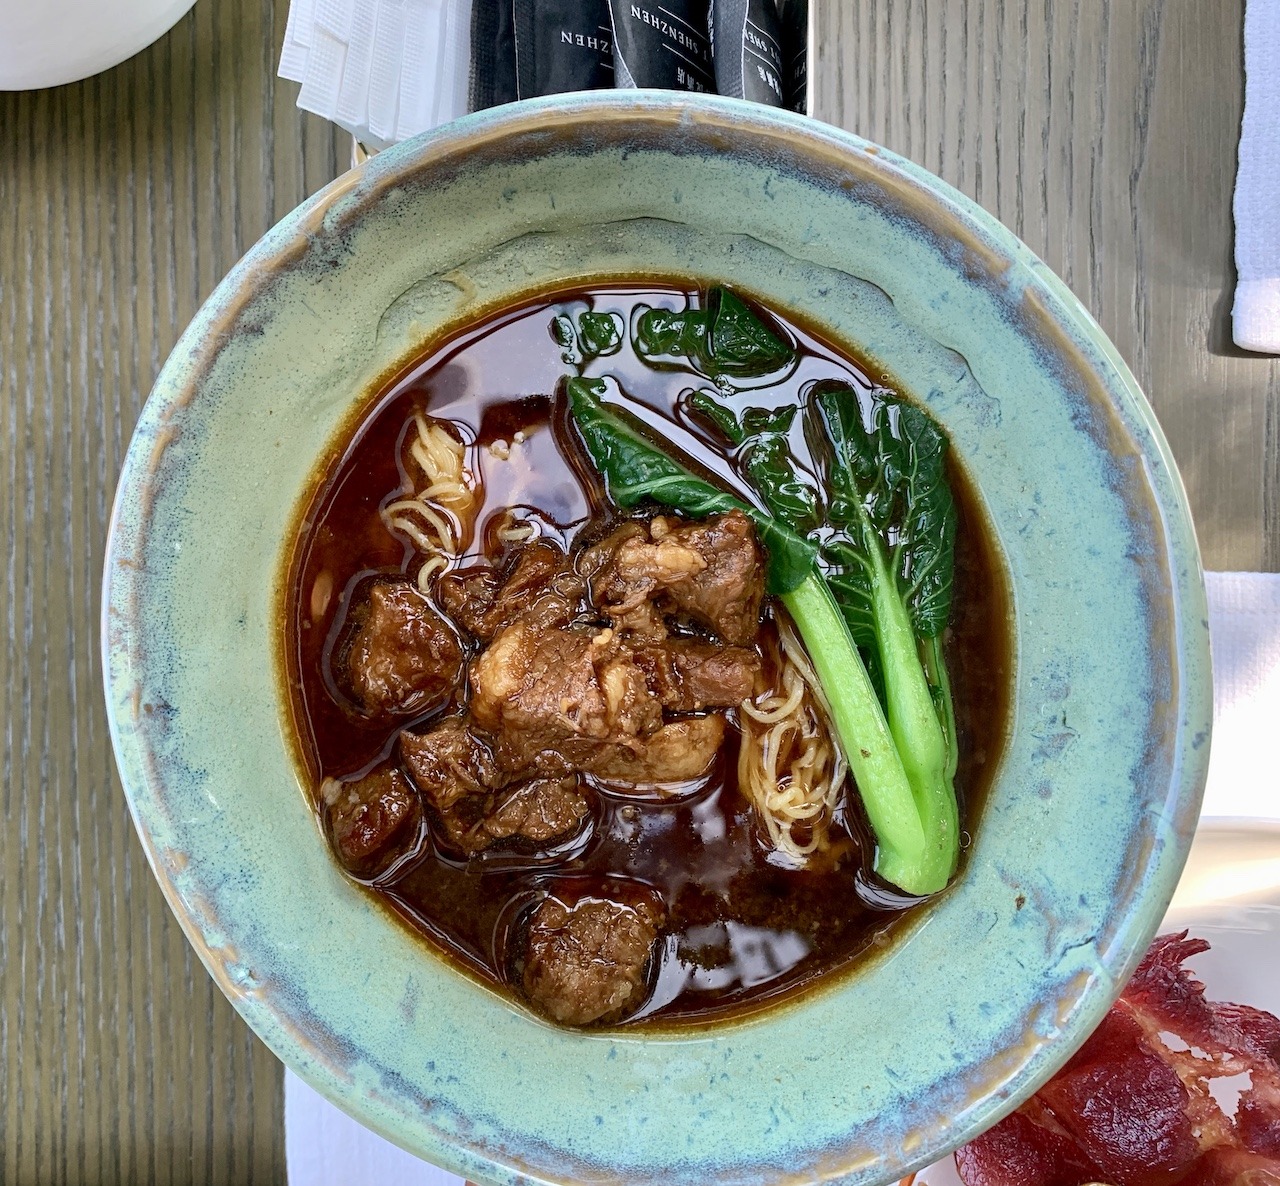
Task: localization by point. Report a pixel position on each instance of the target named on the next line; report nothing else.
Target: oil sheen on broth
(741, 929)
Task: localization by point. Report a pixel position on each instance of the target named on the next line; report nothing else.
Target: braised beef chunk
(711, 571)
(467, 596)
(588, 962)
(475, 800)
(541, 810)
(556, 689)
(449, 764)
(540, 588)
(570, 700)
(404, 657)
(373, 821)
(626, 571)
(682, 750)
(687, 675)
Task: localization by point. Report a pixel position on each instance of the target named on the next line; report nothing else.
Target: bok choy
(890, 561)
(885, 483)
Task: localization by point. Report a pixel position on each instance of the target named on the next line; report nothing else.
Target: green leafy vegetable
(890, 560)
(634, 469)
(596, 335)
(890, 480)
(764, 454)
(662, 333)
(741, 344)
(725, 340)
(725, 419)
(562, 331)
(599, 334)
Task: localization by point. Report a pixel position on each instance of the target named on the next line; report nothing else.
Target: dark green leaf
(725, 419)
(757, 421)
(850, 579)
(765, 457)
(566, 338)
(724, 341)
(889, 490)
(859, 479)
(635, 470)
(925, 551)
(562, 331)
(596, 335)
(663, 334)
(599, 334)
(742, 346)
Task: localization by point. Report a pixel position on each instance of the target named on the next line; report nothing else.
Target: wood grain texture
(123, 201)
(1104, 132)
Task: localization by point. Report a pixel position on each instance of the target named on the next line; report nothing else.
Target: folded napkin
(384, 70)
(1256, 315)
(325, 1147)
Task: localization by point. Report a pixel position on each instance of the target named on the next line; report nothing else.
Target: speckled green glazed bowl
(1090, 816)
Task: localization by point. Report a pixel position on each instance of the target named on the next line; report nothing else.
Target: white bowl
(49, 42)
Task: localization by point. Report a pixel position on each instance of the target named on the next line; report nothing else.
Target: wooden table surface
(1102, 133)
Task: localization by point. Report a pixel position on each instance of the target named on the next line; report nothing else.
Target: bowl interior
(1087, 823)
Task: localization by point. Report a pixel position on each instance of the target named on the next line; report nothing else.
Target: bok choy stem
(864, 734)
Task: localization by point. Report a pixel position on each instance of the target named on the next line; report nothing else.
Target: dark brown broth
(741, 931)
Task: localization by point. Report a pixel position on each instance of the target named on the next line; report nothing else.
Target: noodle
(788, 766)
(436, 564)
(437, 517)
(516, 531)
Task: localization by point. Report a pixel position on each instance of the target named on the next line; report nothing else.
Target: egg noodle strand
(438, 516)
(788, 765)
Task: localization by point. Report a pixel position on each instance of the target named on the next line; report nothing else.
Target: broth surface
(741, 930)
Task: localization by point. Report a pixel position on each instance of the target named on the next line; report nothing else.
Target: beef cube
(541, 588)
(566, 691)
(374, 822)
(627, 573)
(403, 657)
(474, 799)
(538, 811)
(682, 750)
(710, 571)
(588, 961)
(687, 675)
(570, 700)
(449, 764)
(467, 596)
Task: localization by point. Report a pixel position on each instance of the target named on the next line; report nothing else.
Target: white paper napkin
(383, 69)
(1244, 632)
(325, 1147)
(1256, 315)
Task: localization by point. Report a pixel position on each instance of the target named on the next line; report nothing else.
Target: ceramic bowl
(1089, 818)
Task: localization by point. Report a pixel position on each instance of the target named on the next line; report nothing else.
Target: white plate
(1230, 895)
(49, 42)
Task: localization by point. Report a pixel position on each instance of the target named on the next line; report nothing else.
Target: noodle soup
(559, 729)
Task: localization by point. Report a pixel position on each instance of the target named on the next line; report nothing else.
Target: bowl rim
(274, 251)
